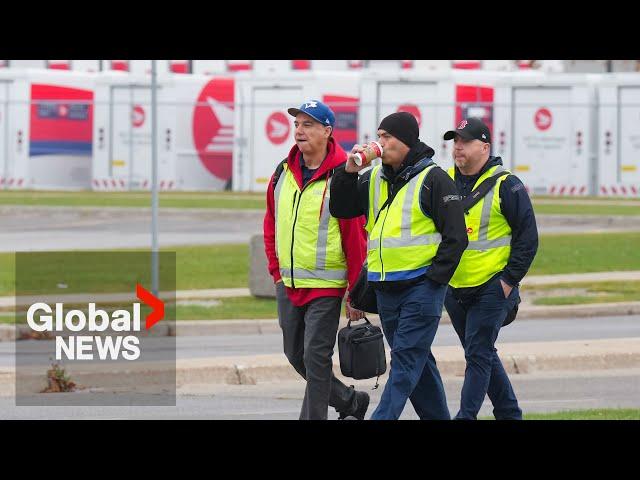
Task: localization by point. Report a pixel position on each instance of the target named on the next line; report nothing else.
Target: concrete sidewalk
(518, 358)
(26, 300)
(206, 294)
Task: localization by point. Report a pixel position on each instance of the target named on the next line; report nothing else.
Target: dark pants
(477, 323)
(309, 337)
(410, 319)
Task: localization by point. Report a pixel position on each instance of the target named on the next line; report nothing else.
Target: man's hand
(353, 313)
(351, 166)
(506, 288)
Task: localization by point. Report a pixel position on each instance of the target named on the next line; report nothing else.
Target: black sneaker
(360, 408)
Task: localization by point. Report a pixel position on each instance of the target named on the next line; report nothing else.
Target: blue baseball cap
(316, 110)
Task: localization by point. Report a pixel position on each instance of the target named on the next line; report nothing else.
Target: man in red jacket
(313, 257)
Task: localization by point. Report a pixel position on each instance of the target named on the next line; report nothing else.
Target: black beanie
(403, 126)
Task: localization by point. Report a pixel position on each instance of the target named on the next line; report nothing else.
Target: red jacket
(354, 238)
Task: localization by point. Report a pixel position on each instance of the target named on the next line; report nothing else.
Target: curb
(517, 358)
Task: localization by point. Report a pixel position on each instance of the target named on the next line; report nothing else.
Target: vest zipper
(293, 233)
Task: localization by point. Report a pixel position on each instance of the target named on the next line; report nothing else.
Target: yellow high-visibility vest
(308, 239)
(489, 236)
(403, 242)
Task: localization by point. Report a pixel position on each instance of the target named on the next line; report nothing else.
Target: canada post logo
(122, 344)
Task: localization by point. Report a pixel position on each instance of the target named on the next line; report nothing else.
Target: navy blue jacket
(515, 205)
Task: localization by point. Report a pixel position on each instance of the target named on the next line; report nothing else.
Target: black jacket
(439, 200)
(516, 207)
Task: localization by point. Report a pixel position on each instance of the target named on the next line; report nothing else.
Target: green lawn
(557, 209)
(227, 266)
(197, 267)
(589, 292)
(597, 252)
(595, 414)
(134, 199)
(231, 308)
(227, 308)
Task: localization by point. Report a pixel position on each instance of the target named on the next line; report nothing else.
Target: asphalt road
(58, 228)
(549, 392)
(541, 330)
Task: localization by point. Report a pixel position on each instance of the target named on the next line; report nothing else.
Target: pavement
(517, 358)
(32, 228)
(542, 392)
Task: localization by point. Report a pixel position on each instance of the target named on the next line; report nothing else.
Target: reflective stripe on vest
(415, 260)
(329, 270)
(484, 257)
(405, 239)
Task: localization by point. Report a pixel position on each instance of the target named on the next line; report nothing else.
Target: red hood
(336, 156)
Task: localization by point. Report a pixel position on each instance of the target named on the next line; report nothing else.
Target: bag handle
(363, 318)
(377, 373)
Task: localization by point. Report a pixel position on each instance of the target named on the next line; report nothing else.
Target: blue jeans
(477, 324)
(409, 320)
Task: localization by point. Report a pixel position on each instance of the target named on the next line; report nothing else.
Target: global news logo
(124, 344)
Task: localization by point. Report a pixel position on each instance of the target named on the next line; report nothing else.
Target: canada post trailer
(45, 129)
(439, 100)
(545, 132)
(122, 133)
(619, 135)
(194, 139)
(264, 130)
(202, 109)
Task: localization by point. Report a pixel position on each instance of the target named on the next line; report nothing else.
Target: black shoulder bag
(361, 351)
(362, 295)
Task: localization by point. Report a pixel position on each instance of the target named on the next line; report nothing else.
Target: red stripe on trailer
(356, 64)
(301, 64)
(466, 64)
(407, 64)
(59, 65)
(179, 66)
(237, 65)
(122, 65)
